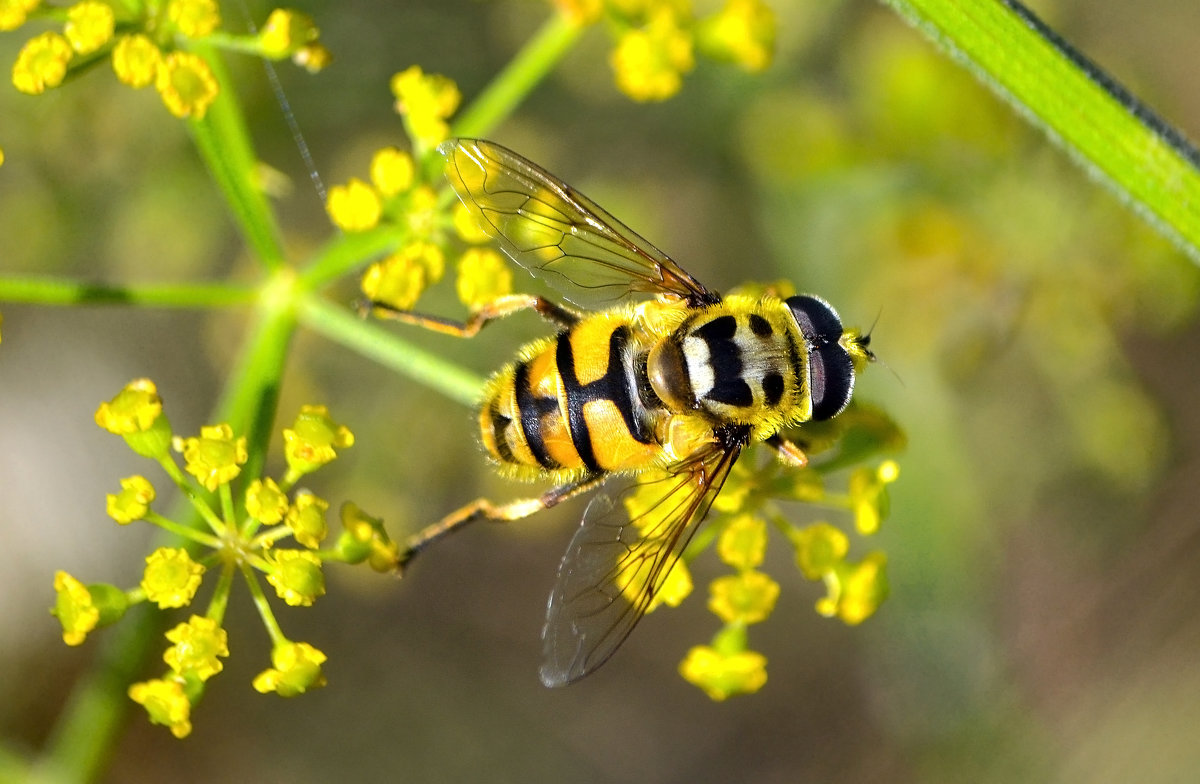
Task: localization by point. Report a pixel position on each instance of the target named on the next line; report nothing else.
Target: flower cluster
(149, 43)
(239, 533)
(742, 516)
(656, 41)
(400, 199)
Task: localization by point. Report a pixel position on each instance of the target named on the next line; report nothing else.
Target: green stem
(1113, 136)
(263, 606)
(224, 143)
(525, 71)
(385, 347)
(40, 290)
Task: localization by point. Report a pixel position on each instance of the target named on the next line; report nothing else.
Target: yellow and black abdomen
(571, 406)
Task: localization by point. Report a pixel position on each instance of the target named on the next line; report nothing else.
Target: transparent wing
(615, 565)
(557, 233)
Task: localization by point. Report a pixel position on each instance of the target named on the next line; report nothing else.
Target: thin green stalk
(224, 143)
(540, 55)
(348, 252)
(385, 347)
(40, 290)
(1117, 139)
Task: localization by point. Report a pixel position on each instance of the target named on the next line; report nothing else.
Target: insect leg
(787, 451)
(496, 309)
(483, 509)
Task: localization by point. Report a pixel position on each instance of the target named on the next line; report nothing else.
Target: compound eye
(830, 369)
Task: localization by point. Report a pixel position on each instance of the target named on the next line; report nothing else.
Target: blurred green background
(1041, 352)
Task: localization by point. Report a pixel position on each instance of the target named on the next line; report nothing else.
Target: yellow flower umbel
(194, 18)
(240, 530)
(14, 12)
(742, 32)
(355, 206)
(401, 278)
(483, 276)
(135, 60)
(89, 25)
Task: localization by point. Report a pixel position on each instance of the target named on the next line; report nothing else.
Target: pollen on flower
(133, 502)
(743, 542)
(426, 100)
(135, 408)
(42, 63)
(285, 32)
(136, 59)
(194, 18)
(14, 12)
(215, 457)
(297, 668)
(89, 25)
(313, 439)
(355, 206)
(197, 645)
(186, 85)
(649, 62)
(742, 32)
(724, 675)
(483, 276)
(391, 171)
(165, 703)
(74, 608)
(306, 520)
(746, 598)
(171, 578)
(296, 576)
(265, 502)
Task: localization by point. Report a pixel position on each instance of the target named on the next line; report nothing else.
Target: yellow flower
(166, 704)
(265, 502)
(819, 548)
(171, 578)
(745, 598)
(868, 494)
(355, 206)
(306, 520)
(215, 457)
(133, 502)
(296, 576)
(743, 542)
(89, 25)
(42, 63)
(675, 588)
(313, 439)
(136, 59)
(74, 608)
(855, 591)
(483, 276)
(723, 675)
(650, 61)
(467, 227)
(198, 644)
(134, 409)
(743, 32)
(186, 85)
(285, 32)
(364, 539)
(581, 12)
(313, 57)
(391, 171)
(426, 101)
(194, 18)
(297, 668)
(401, 278)
(13, 12)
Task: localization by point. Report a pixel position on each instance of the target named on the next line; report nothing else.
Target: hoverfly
(651, 387)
